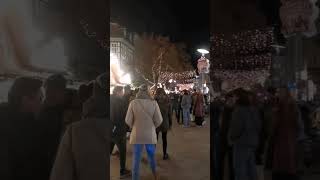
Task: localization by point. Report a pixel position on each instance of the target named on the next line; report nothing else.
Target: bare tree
(156, 54)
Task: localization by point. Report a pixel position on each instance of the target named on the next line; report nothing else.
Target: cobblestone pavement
(189, 151)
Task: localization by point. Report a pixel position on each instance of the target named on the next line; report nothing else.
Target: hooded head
(143, 92)
(96, 106)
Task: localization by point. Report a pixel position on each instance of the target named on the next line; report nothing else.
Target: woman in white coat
(143, 117)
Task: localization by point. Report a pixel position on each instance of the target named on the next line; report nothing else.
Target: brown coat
(84, 152)
(143, 117)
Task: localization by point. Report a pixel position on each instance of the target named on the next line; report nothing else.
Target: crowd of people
(145, 114)
(53, 132)
(49, 130)
(252, 128)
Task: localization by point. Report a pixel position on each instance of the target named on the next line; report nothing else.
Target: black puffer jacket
(117, 116)
(165, 108)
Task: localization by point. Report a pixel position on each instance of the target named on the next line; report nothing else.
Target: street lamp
(203, 51)
(203, 68)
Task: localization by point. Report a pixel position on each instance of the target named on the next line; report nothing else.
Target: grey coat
(186, 102)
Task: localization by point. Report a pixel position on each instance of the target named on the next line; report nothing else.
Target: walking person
(285, 137)
(176, 106)
(83, 151)
(244, 135)
(164, 104)
(52, 115)
(128, 93)
(186, 104)
(119, 128)
(143, 117)
(225, 148)
(194, 94)
(215, 115)
(199, 109)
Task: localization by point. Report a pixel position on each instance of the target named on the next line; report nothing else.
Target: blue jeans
(186, 116)
(137, 155)
(244, 163)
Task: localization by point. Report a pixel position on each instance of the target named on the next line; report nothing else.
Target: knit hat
(143, 92)
(96, 106)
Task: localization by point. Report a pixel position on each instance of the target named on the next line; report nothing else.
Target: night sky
(187, 21)
(183, 21)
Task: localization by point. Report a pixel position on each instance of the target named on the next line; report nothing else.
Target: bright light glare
(126, 79)
(171, 80)
(116, 74)
(114, 60)
(203, 51)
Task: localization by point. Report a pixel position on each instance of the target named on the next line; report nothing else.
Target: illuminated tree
(155, 55)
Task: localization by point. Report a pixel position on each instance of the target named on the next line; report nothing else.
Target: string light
(234, 79)
(185, 77)
(247, 50)
(243, 59)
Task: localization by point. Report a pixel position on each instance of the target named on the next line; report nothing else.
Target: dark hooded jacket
(165, 108)
(118, 112)
(84, 151)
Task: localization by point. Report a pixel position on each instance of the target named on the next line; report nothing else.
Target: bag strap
(151, 117)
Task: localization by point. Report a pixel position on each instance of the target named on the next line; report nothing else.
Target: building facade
(122, 45)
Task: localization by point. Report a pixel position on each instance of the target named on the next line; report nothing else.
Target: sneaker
(165, 157)
(125, 174)
(204, 123)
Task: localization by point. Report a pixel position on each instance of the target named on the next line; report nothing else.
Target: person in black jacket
(22, 155)
(165, 108)
(52, 116)
(119, 128)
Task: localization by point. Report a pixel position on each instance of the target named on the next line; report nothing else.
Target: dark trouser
(261, 148)
(177, 111)
(269, 154)
(215, 142)
(227, 153)
(122, 146)
(244, 163)
(199, 121)
(282, 176)
(164, 141)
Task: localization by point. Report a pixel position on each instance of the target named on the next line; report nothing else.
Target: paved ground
(189, 151)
